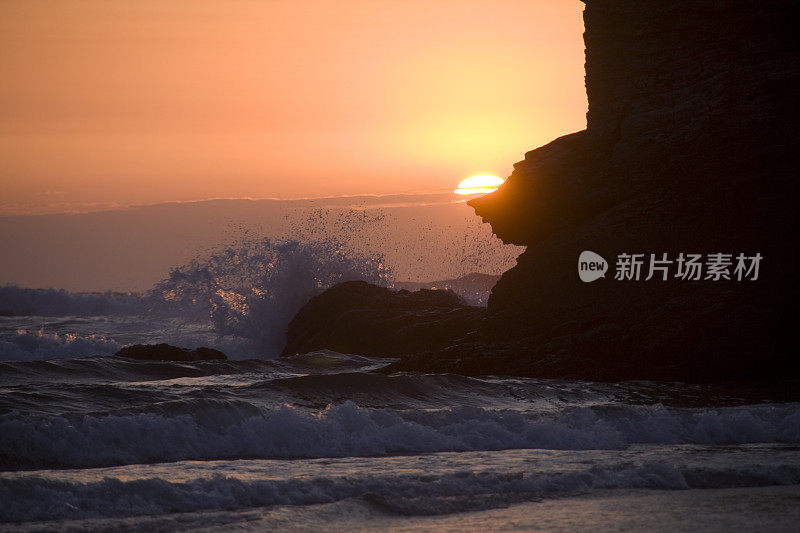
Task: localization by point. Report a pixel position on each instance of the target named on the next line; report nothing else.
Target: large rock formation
(691, 146)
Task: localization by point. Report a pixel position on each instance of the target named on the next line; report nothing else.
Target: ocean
(324, 440)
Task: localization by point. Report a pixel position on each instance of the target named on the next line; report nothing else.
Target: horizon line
(102, 207)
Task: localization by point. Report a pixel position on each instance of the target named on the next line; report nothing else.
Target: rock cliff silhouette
(691, 146)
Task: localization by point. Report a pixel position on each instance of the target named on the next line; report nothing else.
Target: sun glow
(480, 184)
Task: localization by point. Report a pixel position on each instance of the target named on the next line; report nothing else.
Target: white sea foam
(31, 497)
(172, 431)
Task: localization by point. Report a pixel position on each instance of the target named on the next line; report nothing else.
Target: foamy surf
(412, 485)
(108, 411)
(103, 442)
(93, 441)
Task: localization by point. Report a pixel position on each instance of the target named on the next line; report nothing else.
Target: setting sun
(480, 184)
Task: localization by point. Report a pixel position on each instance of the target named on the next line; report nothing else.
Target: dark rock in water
(691, 146)
(360, 318)
(167, 352)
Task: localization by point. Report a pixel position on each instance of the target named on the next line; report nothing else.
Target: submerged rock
(167, 352)
(359, 318)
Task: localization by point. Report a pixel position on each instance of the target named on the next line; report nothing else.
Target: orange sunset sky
(107, 103)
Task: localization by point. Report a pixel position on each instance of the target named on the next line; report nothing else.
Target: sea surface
(328, 441)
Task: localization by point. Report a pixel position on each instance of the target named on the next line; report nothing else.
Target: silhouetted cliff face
(696, 95)
(691, 146)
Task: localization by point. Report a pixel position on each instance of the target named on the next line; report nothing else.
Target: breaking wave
(34, 498)
(249, 292)
(254, 291)
(20, 301)
(213, 429)
(27, 346)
